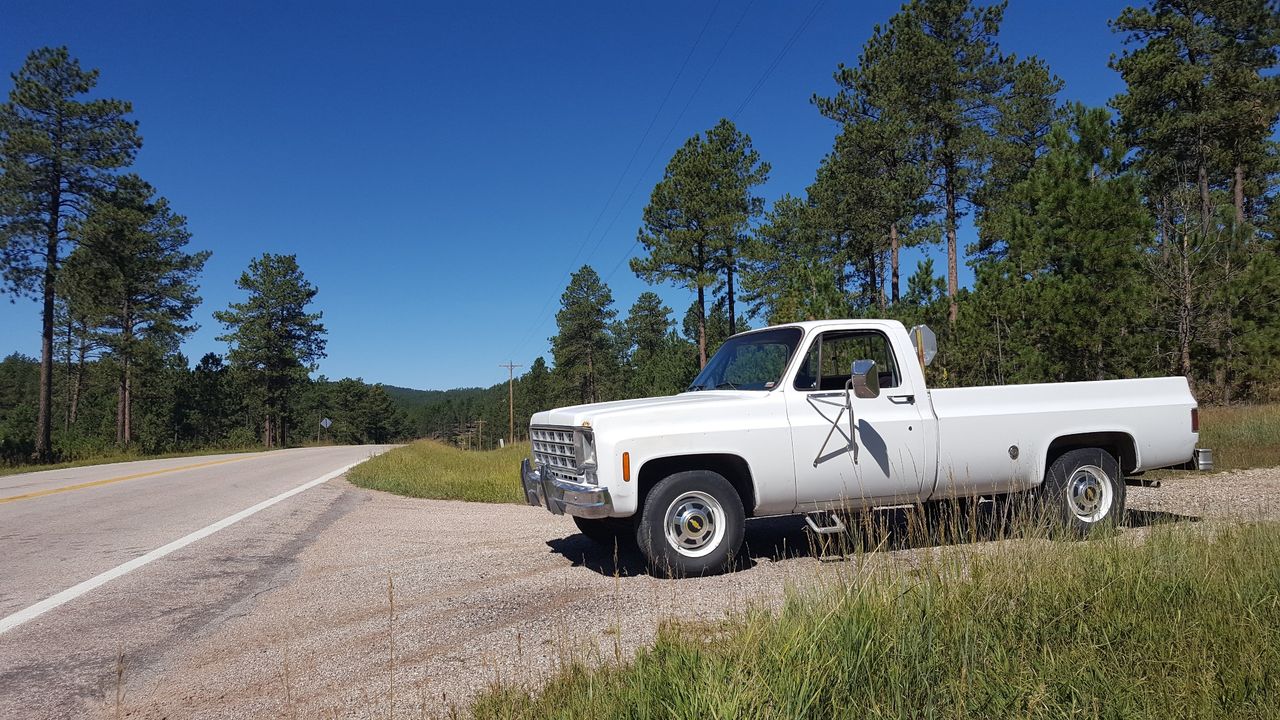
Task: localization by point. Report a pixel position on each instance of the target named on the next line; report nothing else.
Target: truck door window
(838, 350)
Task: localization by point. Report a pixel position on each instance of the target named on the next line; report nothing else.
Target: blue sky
(440, 169)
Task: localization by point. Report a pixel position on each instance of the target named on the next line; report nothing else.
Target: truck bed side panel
(995, 439)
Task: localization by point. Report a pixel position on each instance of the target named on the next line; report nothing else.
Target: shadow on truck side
(881, 530)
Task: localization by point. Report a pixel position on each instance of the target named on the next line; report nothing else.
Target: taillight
(1195, 420)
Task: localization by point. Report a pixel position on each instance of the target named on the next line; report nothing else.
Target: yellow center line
(122, 478)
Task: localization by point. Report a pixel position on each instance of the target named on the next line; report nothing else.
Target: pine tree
(134, 261)
(273, 339)
(699, 213)
(647, 323)
(1199, 110)
(77, 316)
(534, 392)
(1064, 276)
(936, 71)
(659, 362)
(792, 269)
(718, 327)
(869, 195)
(583, 345)
(56, 150)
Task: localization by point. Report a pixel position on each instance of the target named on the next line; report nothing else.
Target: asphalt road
(135, 558)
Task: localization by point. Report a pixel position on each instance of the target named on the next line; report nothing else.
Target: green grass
(1242, 436)
(1183, 624)
(430, 469)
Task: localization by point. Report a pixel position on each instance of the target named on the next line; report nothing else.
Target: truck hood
(603, 413)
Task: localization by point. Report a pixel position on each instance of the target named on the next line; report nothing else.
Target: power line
(658, 150)
(773, 65)
(755, 88)
(778, 59)
(630, 161)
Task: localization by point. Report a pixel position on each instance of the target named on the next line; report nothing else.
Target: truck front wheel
(1084, 490)
(691, 524)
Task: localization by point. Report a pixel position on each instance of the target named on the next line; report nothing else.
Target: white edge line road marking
(71, 593)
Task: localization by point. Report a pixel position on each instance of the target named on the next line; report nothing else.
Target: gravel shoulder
(499, 592)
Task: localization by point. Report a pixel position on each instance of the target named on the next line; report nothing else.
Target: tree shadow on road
(880, 530)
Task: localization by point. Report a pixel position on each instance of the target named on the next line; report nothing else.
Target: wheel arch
(1119, 443)
(731, 467)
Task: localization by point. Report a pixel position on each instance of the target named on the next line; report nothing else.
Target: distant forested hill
(455, 414)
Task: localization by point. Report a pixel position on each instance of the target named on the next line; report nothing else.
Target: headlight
(585, 449)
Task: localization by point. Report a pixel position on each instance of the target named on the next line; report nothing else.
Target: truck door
(885, 461)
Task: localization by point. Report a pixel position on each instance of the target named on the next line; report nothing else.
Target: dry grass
(1183, 623)
(1242, 436)
(431, 469)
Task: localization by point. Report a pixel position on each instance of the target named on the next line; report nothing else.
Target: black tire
(712, 529)
(1083, 491)
(608, 531)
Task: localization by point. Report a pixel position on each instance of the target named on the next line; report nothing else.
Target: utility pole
(480, 434)
(511, 400)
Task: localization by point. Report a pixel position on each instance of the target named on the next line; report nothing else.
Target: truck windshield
(754, 361)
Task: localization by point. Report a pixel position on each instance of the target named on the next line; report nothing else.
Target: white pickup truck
(824, 416)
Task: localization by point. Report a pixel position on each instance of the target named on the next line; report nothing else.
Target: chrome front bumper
(561, 496)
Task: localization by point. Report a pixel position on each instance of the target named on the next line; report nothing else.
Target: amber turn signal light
(626, 467)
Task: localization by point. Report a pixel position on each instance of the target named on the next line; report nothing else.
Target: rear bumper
(562, 497)
(1201, 459)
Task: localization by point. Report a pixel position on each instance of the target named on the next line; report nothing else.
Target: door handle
(902, 399)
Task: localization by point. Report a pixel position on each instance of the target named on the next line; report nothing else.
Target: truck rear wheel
(692, 524)
(1084, 490)
(608, 531)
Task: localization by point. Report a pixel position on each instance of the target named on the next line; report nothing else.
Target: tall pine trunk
(953, 274)
(268, 432)
(893, 263)
(124, 400)
(44, 418)
(78, 386)
(1237, 192)
(66, 416)
(590, 395)
(1184, 310)
(702, 327)
(701, 259)
(1206, 208)
(733, 322)
(120, 407)
(128, 404)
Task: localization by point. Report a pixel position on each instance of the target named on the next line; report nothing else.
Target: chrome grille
(553, 452)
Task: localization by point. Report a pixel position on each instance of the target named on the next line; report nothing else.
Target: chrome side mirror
(864, 379)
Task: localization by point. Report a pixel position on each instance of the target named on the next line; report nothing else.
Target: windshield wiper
(694, 388)
(726, 384)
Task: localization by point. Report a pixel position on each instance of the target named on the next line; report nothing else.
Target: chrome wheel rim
(1089, 493)
(694, 524)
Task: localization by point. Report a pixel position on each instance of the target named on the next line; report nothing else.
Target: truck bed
(996, 438)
